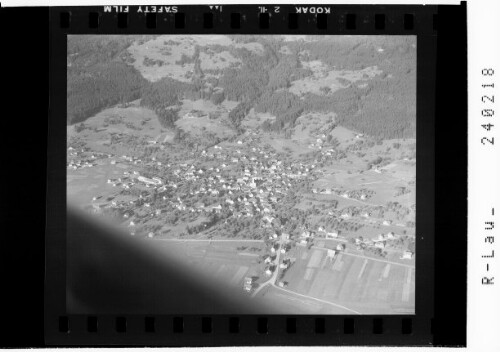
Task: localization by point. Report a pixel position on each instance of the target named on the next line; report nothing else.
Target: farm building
(407, 255)
(150, 181)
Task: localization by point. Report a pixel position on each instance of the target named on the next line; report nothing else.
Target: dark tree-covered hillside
(382, 106)
(100, 87)
(98, 76)
(163, 97)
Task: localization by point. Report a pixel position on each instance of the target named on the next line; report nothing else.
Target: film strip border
(243, 330)
(261, 19)
(153, 330)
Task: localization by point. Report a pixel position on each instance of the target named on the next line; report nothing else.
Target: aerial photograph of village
(282, 165)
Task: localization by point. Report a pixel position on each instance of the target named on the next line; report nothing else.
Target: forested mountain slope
(369, 83)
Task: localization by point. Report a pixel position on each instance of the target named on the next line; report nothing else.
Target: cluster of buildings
(244, 182)
(361, 194)
(243, 179)
(82, 158)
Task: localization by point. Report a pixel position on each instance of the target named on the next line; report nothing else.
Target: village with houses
(246, 191)
(322, 215)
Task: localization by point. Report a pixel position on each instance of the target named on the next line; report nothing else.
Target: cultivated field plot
(288, 302)
(365, 285)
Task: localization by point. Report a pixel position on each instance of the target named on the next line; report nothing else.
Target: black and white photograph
(276, 170)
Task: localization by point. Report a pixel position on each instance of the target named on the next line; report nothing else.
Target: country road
(317, 299)
(369, 258)
(272, 279)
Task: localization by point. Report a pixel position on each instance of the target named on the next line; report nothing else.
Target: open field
(306, 126)
(165, 53)
(288, 302)
(200, 126)
(83, 184)
(365, 285)
(224, 261)
(255, 119)
(331, 79)
(383, 184)
(133, 124)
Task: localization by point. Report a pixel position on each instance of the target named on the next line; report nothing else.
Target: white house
(150, 181)
(332, 235)
(407, 255)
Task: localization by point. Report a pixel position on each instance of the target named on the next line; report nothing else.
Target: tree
(325, 90)
(79, 127)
